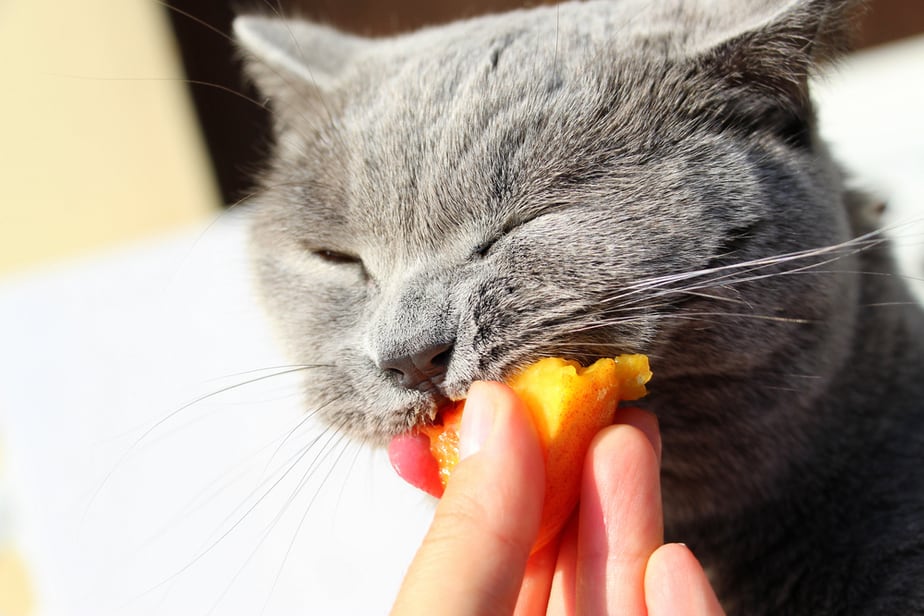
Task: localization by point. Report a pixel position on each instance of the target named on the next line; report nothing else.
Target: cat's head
(578, 180)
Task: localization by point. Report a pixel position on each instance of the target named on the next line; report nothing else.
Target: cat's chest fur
(605, 177)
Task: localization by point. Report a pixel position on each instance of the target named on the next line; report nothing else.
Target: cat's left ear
(292, 57)
(763, 66)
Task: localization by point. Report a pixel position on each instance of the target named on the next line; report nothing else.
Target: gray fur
(607, 177)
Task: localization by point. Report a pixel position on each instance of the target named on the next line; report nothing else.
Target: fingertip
(627, 450)
(481, 408)
(512, 433)
(644, 421)
(493, 392)
(671, 555)
(496, 425)
(675, 583)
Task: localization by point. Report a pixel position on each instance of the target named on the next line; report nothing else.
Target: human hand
(610, 559)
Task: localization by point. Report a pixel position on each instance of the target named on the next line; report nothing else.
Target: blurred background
(121, 120)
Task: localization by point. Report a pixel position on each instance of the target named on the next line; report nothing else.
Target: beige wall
(98, 144)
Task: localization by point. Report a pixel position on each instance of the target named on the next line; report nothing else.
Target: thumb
(473, 557)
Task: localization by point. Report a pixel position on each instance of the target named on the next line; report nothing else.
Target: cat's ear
(288, 58)
(765, 64)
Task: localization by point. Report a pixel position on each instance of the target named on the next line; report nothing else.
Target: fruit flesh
(568, 404)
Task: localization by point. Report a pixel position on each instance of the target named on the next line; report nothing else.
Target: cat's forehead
(460, 124)
(483, 128)
(450, 131)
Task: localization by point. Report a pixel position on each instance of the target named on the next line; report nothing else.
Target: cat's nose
(422, 370)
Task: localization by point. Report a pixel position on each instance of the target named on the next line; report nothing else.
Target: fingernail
(477, 421)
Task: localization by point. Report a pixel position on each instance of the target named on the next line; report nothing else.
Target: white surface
(130, 502)
(118, 520)
(872, 112)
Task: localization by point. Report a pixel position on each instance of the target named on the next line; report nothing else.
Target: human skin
(610, 559)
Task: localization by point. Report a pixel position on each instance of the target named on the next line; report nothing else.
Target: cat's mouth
(441, 405)
(412, 453)
(440, 399)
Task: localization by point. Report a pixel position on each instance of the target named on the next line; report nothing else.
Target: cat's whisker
(307, 510)
(213, 540)
(730, 271)
(715, 317)
(210, 492)
(305, 419)
(184, 80)
(269, 481)
(240, 513)
(888, 304)
(284, 78)
(294, 40)
(282, 372)
(728, 280)
(281, 367)
(187, 15)
(361, 445)
(221, 536)
(125, 455)
(704, 295)
(332, 432)
(695, 316)
(729, 283)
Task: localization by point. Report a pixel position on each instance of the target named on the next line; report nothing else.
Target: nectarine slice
(569, 404)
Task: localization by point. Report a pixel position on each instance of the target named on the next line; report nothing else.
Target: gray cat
(600, 178)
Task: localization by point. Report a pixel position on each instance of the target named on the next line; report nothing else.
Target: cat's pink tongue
(410, 456)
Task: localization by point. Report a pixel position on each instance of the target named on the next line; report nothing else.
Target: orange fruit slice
(569, 404)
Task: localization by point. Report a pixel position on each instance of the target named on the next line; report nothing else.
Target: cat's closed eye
(336, 257)
(485, 248)
(341, 259)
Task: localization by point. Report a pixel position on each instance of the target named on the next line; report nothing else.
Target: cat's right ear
(293, 61)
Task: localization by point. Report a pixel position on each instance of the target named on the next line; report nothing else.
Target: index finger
(473, 558)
